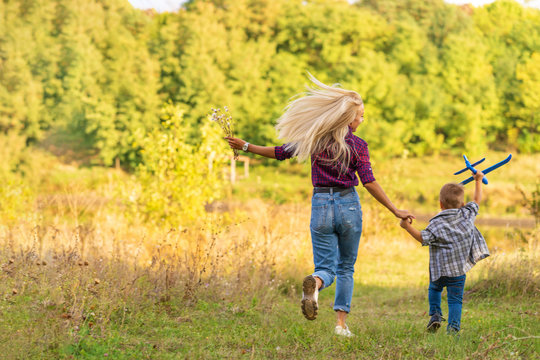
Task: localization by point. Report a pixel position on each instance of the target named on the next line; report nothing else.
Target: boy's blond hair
(452, 196)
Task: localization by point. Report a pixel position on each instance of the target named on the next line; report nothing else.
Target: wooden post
(233, 171)
(246, 167)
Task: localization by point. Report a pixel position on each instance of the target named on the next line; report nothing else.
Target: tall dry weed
(100, 269)
(515, 273)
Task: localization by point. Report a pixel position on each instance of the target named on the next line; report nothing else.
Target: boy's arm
(478, 187)
(415, 233)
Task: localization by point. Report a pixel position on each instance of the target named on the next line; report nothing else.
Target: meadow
(83, 277)
(122, 237)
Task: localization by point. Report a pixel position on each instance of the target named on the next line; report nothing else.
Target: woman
(320, 125)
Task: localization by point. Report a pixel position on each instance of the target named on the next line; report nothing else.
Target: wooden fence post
(233, 171)
(246, 167)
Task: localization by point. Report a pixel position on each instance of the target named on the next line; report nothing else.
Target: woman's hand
(404, 214)
(266, 151)
(235, 143)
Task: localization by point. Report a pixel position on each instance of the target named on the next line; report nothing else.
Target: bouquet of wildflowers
(225, 121)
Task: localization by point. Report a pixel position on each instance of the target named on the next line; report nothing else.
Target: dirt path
(526, 223)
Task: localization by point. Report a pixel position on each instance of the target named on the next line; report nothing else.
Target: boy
(455, 245)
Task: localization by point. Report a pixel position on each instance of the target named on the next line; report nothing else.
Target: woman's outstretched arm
(266, 151)
(378, 193)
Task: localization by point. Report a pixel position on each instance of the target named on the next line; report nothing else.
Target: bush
(177, 179)
(15, 195)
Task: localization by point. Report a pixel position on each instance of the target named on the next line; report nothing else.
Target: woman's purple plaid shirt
(324, 174)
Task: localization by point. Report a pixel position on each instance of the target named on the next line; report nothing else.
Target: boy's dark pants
(454, 288)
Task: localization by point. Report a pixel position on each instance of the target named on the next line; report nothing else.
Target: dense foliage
(434, 76)
(176, 179)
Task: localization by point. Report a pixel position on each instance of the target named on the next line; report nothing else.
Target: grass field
(80, 280)
(64, 310)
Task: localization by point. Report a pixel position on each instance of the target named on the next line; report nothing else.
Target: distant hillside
(433, 76)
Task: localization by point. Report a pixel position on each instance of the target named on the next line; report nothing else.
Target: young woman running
(320, 125)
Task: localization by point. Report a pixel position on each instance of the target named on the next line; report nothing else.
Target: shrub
(15, 195)
(177, 179)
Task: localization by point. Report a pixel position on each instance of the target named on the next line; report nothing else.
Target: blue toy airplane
(469, 166)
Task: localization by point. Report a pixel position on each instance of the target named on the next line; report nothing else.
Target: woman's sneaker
(343, 331)
(434, 323)
(310, 296)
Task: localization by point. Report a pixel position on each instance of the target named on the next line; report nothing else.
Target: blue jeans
(336, 225)
(454, 289)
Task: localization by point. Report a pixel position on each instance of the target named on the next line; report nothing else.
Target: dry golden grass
(254, 245)
(94, 269)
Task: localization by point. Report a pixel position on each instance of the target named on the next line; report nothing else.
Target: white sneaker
(310, 297)
(343, 331)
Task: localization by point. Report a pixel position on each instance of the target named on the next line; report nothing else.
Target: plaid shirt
(455, 244)
(325, 174)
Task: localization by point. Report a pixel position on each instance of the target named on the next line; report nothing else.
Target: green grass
(389, 323)
(286, 182)
(388, 316)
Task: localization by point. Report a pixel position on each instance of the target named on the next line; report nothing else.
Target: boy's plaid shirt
(455, 244)
(325, 174)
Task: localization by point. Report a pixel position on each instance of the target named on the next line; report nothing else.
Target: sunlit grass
(82, 277)
(231, 289)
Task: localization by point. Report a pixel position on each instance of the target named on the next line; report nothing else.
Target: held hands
(235, 143)
(415, 233)
(404, 214)
(478, 176)
(404, 223)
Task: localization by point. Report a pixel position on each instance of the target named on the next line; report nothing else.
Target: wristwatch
(245, 147)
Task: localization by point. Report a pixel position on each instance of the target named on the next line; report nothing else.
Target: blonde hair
(319, 121)
(452, 195)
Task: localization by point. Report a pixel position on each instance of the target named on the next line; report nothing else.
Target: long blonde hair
(319, 121)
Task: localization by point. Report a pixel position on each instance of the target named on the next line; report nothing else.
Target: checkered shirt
(455, 244)
(325, 174)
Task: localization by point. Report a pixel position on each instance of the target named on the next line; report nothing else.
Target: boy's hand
(478, 187)
(415, 233)
(404, 223)
(478, 176)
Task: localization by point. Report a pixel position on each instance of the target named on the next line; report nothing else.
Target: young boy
(455, 245)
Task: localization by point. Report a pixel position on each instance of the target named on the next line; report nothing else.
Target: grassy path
(389, 324)
(388, 318)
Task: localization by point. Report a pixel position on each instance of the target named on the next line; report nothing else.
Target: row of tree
(434, 76)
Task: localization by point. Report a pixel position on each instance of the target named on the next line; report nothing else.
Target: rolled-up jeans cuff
(325, 277)
(342, 308)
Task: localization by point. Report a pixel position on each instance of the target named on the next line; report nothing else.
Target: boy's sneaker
(434, 323)
(310, 297)
(343, 331)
